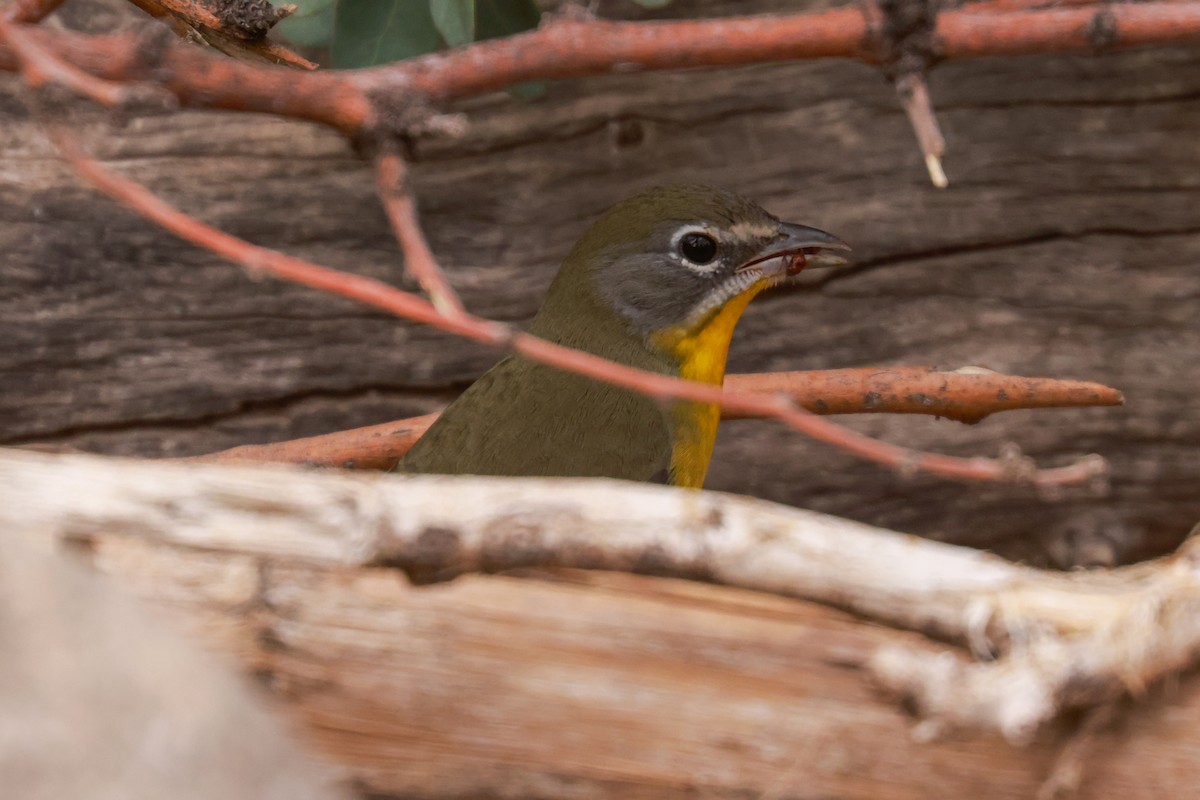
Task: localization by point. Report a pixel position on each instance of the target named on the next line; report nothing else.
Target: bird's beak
(797, 247)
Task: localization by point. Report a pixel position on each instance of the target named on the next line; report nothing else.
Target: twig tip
(936, 173)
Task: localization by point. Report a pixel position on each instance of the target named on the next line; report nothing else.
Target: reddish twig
(570, 48)
(392, 181)
(249, 22)
(199, 79)
(40, 67)
(913, 92)
(260, 260)
(1005, 6)
(28, 11)
(371, 447)
(239, 31)
(967, 395)
(1093, 28)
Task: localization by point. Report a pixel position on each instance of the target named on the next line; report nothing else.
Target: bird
(658, 282)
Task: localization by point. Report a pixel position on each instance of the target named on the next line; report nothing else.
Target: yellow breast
(702, 353)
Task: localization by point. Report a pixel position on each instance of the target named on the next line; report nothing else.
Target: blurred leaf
(311, 25)
(653, 3)
(495, 18)
(370, 32)
(308, 8)
(455, 19)
(530, 90)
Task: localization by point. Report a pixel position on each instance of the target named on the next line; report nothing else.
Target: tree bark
(1066, 245)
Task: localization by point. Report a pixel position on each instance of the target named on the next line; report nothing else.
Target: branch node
(400, 115)
(1015, 466)
(907, 44)
(571, 11)
(906, 39)
(1102, 32)
(250, 19)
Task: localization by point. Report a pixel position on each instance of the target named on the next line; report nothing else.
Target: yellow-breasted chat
(658, 283)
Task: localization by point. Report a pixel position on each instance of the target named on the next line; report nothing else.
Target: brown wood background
(1067, 245)
(595, 686)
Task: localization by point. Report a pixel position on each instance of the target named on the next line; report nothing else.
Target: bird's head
(674, 261)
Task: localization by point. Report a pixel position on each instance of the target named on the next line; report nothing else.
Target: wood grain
(1066, 245)
(602, 685)
(555, 684)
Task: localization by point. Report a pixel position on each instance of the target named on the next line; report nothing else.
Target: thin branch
(392, 184)
(967, 395)
(248, 20)
(913, 91)
(199, 79)
(570, 48)
(238, 30)
(40, 67)
(567, 48)
(374, 447)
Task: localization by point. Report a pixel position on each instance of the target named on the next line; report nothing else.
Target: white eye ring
(679, 245)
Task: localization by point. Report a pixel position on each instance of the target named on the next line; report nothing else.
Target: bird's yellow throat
(702, 353)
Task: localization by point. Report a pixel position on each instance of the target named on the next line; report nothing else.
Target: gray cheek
(651, 294)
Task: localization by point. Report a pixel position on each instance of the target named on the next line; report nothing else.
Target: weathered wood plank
(1066, 245)
(595, 685)
(603, 685)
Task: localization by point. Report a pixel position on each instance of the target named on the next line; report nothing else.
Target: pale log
(597, 684)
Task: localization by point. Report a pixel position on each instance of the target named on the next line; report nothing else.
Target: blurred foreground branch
(102, 698)
(1061, 640)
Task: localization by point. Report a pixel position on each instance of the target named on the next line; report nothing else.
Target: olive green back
(527, 419)
(523, 418)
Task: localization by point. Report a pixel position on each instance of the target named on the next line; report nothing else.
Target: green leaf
(653, 3)
(308, 8)
(370, 32)
(455, 19)
(495, 18)
(529, 90)
(311, 25)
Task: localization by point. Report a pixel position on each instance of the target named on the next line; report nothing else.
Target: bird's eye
(698, 248)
